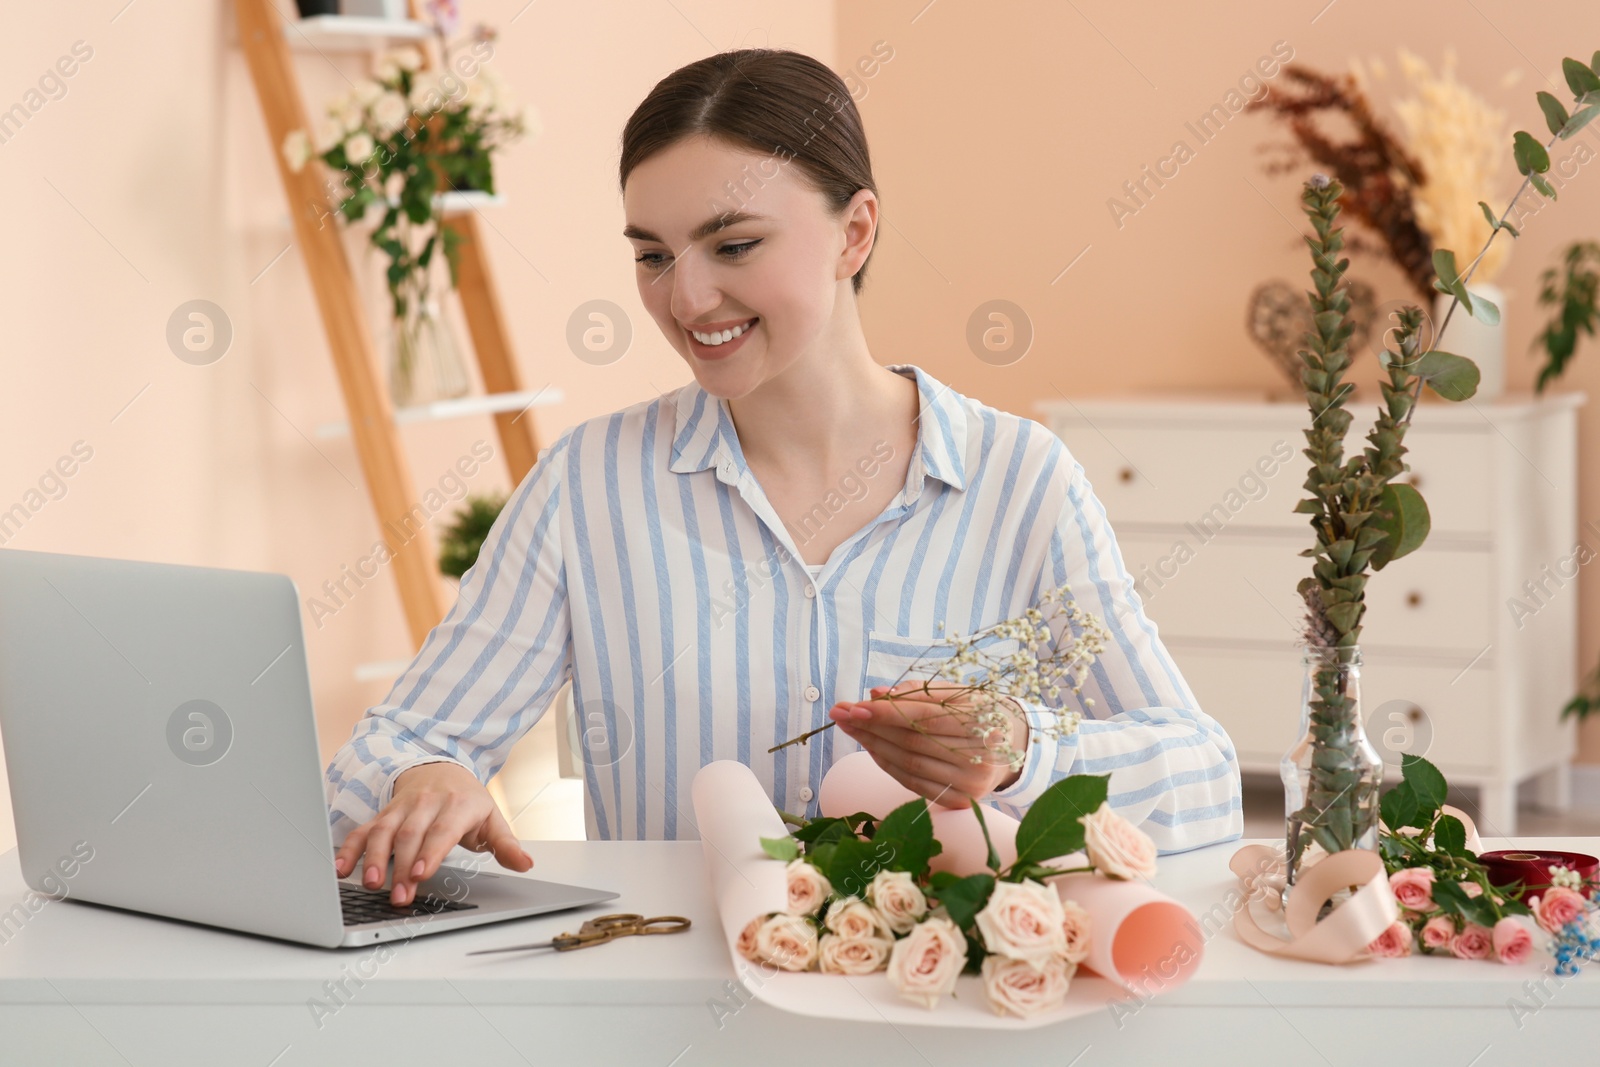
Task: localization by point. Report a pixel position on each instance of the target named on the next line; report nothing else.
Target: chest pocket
(891, 656)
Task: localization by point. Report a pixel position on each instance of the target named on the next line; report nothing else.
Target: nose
(694, 291)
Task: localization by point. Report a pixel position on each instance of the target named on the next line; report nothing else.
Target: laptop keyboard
(361, 905)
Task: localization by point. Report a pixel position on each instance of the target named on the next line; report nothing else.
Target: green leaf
(1425, 781)
(1555, 113)
(786, 849)
(1580, 79)
(1404, 520)
(1308, 507)
(1450, 835)
(1344, 616)
(1399, 807)
(905, 838)
(1529, 153)
(1510, 229)
(1451, 376)
(852, 865)
(965, 897)
(1489, 214)
(1544, 187)
(819, 830)
(1579, 120)
(1051, 827)
(1444, 265)
(1484, 311)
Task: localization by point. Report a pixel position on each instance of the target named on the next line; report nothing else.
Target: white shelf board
(351, 32)
(459, 408)
(458, 201)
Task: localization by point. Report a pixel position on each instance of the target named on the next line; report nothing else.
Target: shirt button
(811, 590)
(812, 693)
(805, 793)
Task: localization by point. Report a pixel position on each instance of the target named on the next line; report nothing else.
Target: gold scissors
(603, 928)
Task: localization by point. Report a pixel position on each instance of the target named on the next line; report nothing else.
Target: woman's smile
(727, 341)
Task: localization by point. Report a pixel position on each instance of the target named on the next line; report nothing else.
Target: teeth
(721, 338)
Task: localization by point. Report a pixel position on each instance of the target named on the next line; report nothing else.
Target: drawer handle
(1125, 474)
(1414, 714)
(1413, 598)
(1415, 480)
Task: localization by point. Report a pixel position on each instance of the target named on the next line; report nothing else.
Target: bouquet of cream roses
(862, 899)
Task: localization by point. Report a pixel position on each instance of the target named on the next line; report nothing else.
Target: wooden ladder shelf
(263, 36)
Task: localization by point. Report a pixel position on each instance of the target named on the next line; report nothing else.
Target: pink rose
(1393, 942)
(924, 965)
(1558, 906)
(1413, 888)
(1438, 932)
(1472, 889)
(1014, 987)
(808, 888)
(853, 955)
(787, 941)
(1024, 921)
(1474, 942)
(1116, 847)
(1075, 929)
(1512, 940)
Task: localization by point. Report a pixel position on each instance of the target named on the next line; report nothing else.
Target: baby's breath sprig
(991, 705)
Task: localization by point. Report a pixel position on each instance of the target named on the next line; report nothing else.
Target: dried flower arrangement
(1377, 173)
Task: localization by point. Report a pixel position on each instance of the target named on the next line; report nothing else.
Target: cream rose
(853, 955)
(898, 898)
(1116, 847)
(746, 945)
(358, 147)
(853, 917)
(808, 888)
(1024, 921)
(787, 941)
(1014, 987)
(1075, 929)
(924, 965)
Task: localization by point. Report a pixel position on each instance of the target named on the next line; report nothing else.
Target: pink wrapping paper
(1142, 941)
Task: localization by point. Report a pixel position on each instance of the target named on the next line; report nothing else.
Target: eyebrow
(705, 229)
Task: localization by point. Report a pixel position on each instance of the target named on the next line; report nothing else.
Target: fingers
(929, 775)
(452, 824)
(344, 860)
(508, 851)
(408, 840)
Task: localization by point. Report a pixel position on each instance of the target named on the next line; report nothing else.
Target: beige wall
(999, 131)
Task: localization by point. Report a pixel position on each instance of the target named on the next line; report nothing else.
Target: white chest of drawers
(1469, 644)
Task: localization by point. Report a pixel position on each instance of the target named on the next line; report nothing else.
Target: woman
(724, 567)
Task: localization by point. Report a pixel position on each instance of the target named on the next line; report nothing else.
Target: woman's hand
(935, 758)
(432, 807)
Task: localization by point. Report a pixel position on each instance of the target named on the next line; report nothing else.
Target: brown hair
(767, 100)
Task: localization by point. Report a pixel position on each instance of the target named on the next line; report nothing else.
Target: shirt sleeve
(1174, 772)
(484, 675)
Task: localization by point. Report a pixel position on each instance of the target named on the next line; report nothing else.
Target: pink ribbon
(1345, 934)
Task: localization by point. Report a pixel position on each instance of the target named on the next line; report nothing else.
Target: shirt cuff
(1038, 762)
(386, 793)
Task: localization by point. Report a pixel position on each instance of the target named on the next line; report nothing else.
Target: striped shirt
(641, 558)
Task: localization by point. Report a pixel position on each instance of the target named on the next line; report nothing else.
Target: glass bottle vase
(425, 363)
(1332, 774)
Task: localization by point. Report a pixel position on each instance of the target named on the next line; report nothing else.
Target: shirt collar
(704, 435)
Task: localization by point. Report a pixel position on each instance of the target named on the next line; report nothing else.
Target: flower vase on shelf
(1485, 345)
(1332, 774)
(425, 363)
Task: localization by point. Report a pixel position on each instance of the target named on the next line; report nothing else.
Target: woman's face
(726, 238)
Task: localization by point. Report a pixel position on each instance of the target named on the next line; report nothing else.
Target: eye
(652, 260)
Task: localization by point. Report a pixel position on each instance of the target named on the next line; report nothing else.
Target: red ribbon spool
(1532, 868)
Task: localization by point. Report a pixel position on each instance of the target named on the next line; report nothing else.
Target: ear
(860, 221)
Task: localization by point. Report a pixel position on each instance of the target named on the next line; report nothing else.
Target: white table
(86, 986)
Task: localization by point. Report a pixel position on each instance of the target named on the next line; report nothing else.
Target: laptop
(162, 752)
